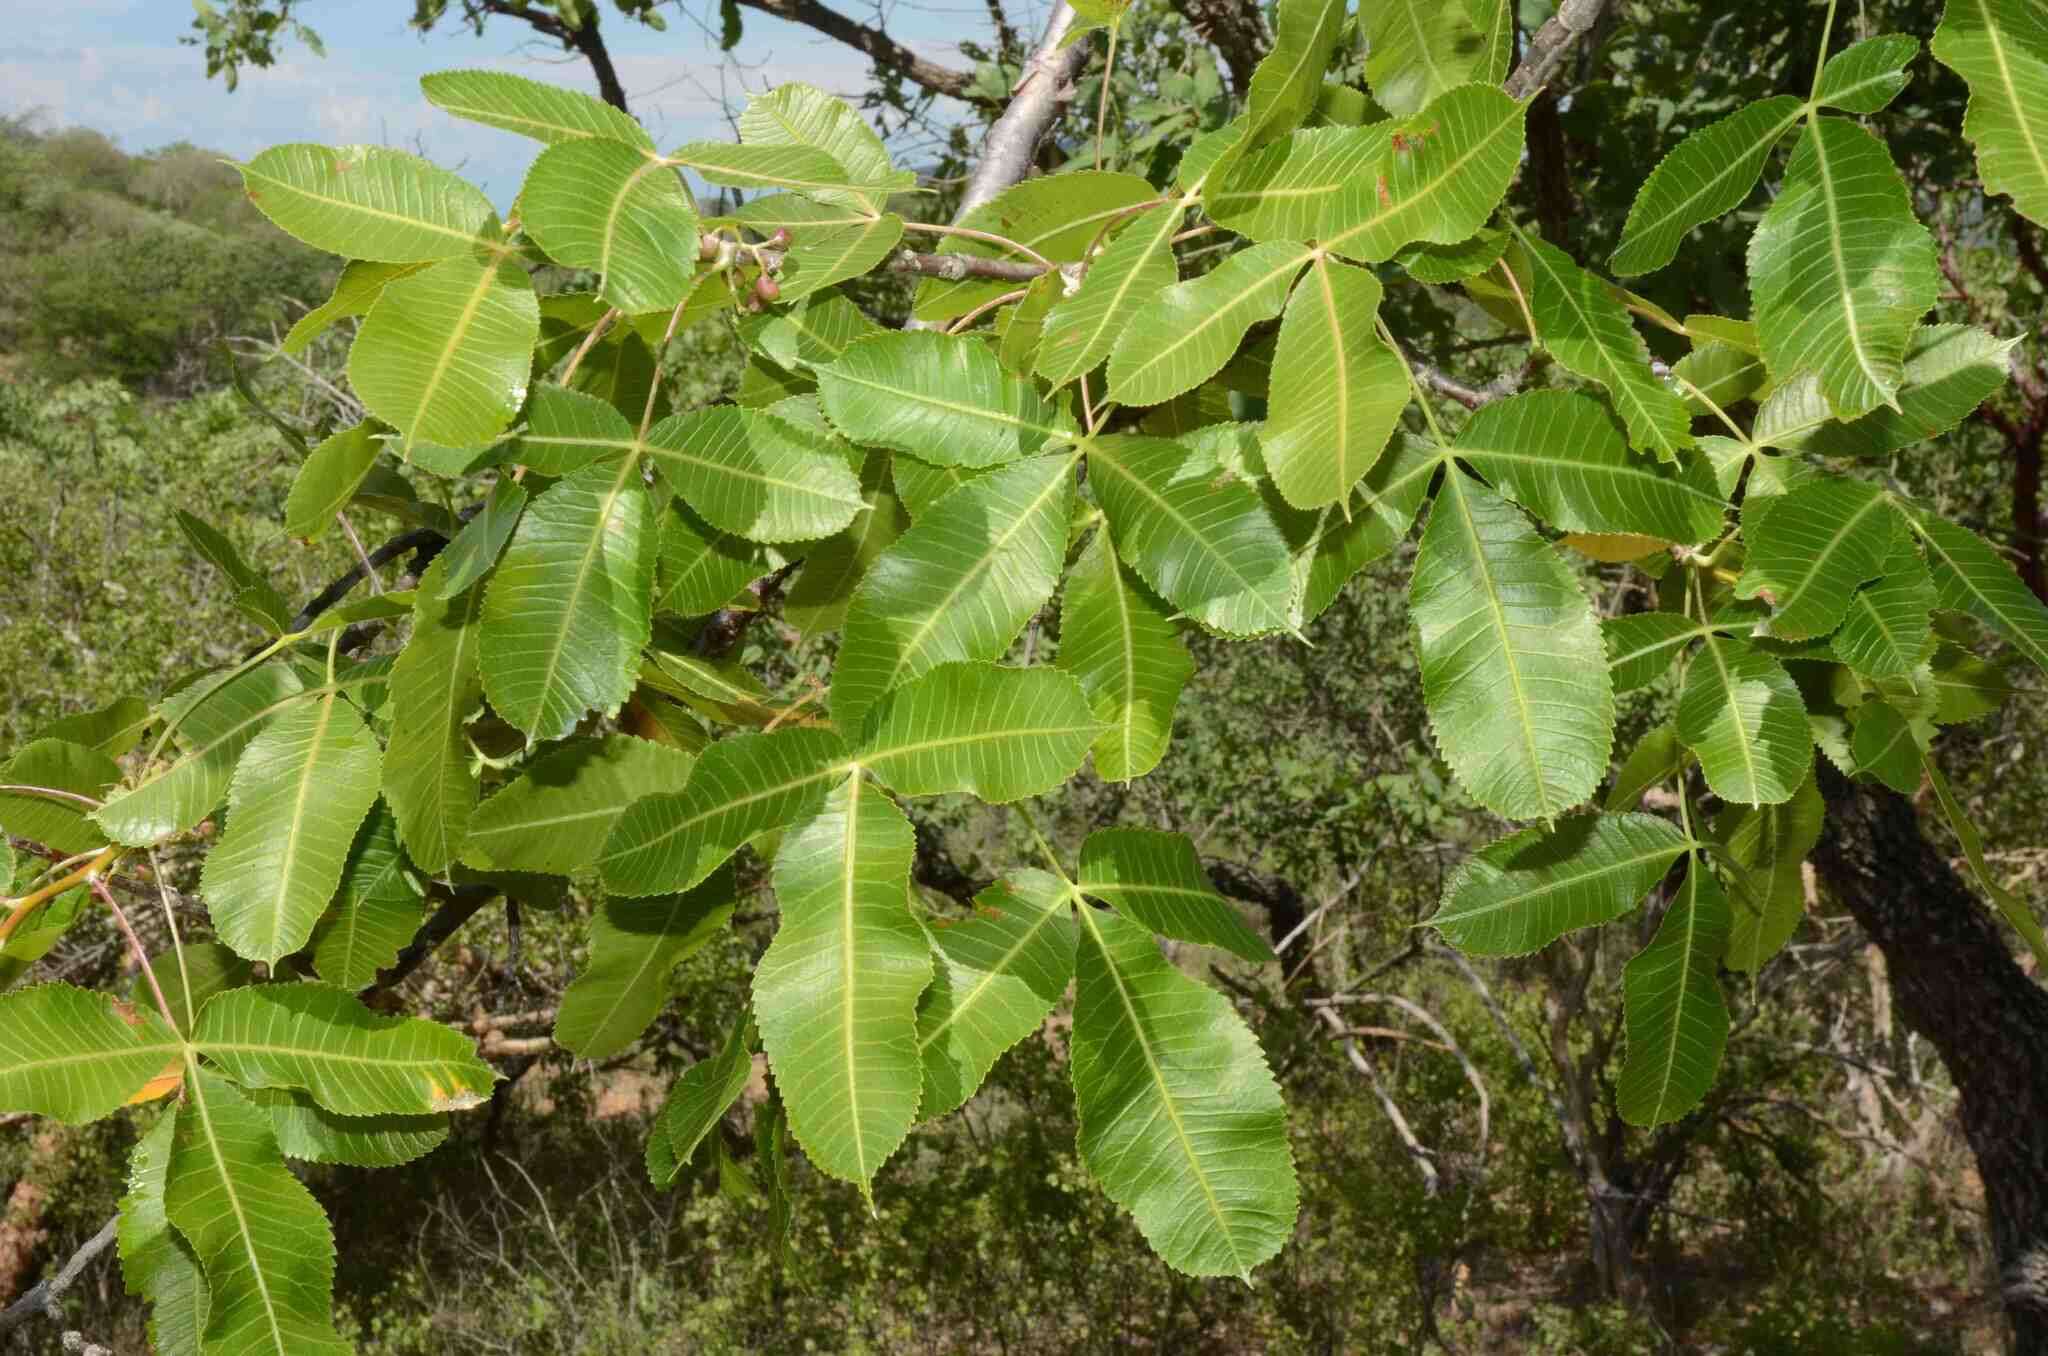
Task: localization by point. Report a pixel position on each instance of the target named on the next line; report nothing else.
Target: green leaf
(446, 353)
(1703, 177)
(554, 819)
(1416, 50)
(1950, 371)
(476, 547)
(942, 398)
(999, 972)
(1588, 329)
(1181, 1121)
(76, 1055)
(960, 584)
(836, 992)
(367, 202)
(1766, 847)
(1812, 548)
(1155, 879)
(57, 822)
(1523, 892)
(1000, 734)
(800, 115)
(216, 720)
(376, 910)
(1560, 455)
(435, 689)
(1211, 550)
(1841, 269)
(1135, 267)
(2000, 47)
(356, 290)
(1289, 78)
(1869, 75)
(1887, 632)
(698, 1100)
(1441, 176)
(799, 169)
(569, 607)
(1441, 264)
(742, 786)
(2014, 909)
(752, 473)
(1677, 1021)
(634, 945)
(920, 487)
(1971, 577)
(328, 480)
(266, 1248)
(547, 113)
(37, 937)
(112, 729)
(352, 1060)
(1130, 660)
(1329, 547)
(1741, 713)
(609, 207)
(1337, 391)
(301, 790)
(1883, 745)
(307, 1131)
(819, 599)
(1295, 189)
(811, 333)
(1640, 647)
(1184, 335)
(156, 1261)
(700, 569)
(566, 430)
(1513, 669)
(1657, 757)
(1057, 216)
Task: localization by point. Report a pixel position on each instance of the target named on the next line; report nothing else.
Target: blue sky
(117, 66)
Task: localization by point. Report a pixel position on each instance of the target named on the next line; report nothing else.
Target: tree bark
(1954, 980)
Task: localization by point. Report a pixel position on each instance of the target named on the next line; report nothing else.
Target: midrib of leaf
(1343, 372)
(997, 971)
(1188, 529)
(1861, 600)
(1619, 867)
(849, 855)
(770, 180)
(227, 1183)
(1408, 11)
(960, 407)
(628, 466)
(1713, 651)
(1631, 469)
(17, 1065)
(1128, 631)
(1665, 643)
(291, 841)
(648, 955)
(2012, 91)
(1180, 1132)
(923, 630)
(1821, 557)
(750, 798)
(2014, 635)
(1692, 923)
(1844, 285)
(1216, 316)
(486, 115)
(1720, 176)
(255, 718)
(661, 453)
(875, 756)
(1904, 731)
(457, 675)
(1427, 190)
(797, 136)
(611, 216)
(1526, 721)
(378, 212)
(456, 335)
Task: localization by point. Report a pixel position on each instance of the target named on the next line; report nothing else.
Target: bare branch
(882, 49)
(42, 1297)
(1552, 43)
(1012, 141)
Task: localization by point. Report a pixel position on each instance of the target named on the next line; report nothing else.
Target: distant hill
(133, 265)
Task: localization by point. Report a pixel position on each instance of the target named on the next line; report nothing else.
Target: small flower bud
(707, 248)
(766, 289)
(780, 240)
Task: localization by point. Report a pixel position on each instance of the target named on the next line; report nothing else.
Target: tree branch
(582, 39)
(1552, 43)
(1011, 145)
(882, 49)
(42, 1297)
(1234, 29)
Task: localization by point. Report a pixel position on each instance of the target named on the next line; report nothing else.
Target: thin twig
(41, 1298)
